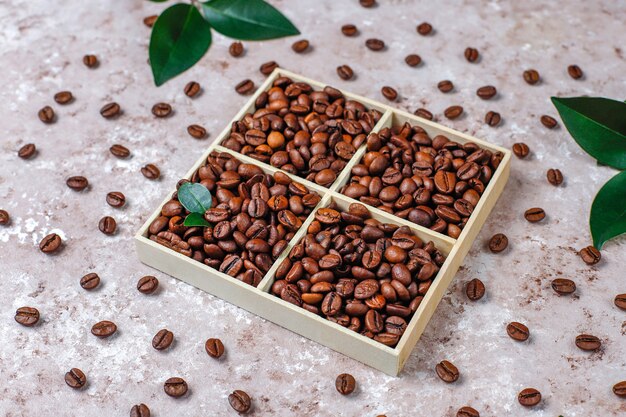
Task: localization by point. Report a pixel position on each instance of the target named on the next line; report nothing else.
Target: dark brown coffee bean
(389, 93)
(445, 86)
(529, 397)
(110, 110)
(175, 387)
(447, 371)
(590, 255)
(50, 243)
(517, 331)
(535, 214)
(151, 172)
(77, 183)
(521, 150)
(103, 329)
(214, 348)
(240, 401)
(424, 28)
(563, 286)
(531, 76)
(63, 97)
(46, 115)
(349, 30)
(375, 44)
(413, 60)
(268, 67)
(107, 225)
(620, 301)
(4, 217)
(498, 243)
(27, 316)
(75, 378)
(471, 54)
(467, 411)
(140, 410)
(245, 87)
(588, 342)
(549, 122)
(149, 21)
(345, 72)
(161, 110)
(235, 49)
(453, 112)
(367, 3)
(27, 151)
(300, 46)
(374, 321)
(196, 131)
(554, 176)
(90, 281)
(116, 199)
(493, 118)
(475, 289)
(163, 339)
(345, 384)
(424, 114)
(192, 89)
(327, 216)
(445, 181)
(575, 72)
(147, 284)
(90, 61)
(487, 92)
(619, 389)
(119, 151)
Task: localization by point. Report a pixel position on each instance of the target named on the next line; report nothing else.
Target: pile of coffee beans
(354, 270)
(312, 134)
(433, 182)
(253, 217)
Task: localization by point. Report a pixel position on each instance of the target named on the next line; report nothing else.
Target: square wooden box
(260, 301)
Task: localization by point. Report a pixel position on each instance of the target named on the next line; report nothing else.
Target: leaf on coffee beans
(196, 219)
(598, 125)
(251, 20)
(180, 37)
(608, 211)
(195, 197)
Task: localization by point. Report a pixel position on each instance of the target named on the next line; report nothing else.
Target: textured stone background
(41, 46)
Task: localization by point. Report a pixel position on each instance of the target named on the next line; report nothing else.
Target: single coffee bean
(487, 92)
(103, 329)
(521, 150)
(75, 378)
(147, 284)
(119, 151)
(475, 289)
(50, 243)
(531, 76)
(345, 384)
(590, 255)
(413, 60)
(245, 87)
(27, 316)
(46, 114)
(349, 30)
(300, 46)
(493, 118)
(268, 67)
(175, 387)
(240, 401)
(517, 331)
(140, 410)
(236, 49)
(424, 28)
(116, 199)
(110, 110)
(620, 301)
(27, 151)
(447, 371)
(529, 397)
(107, 225)
(534, 214)
(90, 61)
(549, 122)
(563, 286)
(445, 86)
(467, 411)
(424, 114)
(375, 44)
(163, 339)
(554, 176)
(345, 72)
(588, 342)
(498, 243)
(90, 281)
(151, 172)
(453, 112)
(575, 72)
(214, 348)
(619, 389)
(196, 131)
(63, 97)
(4, 217)
(77, 183)
(389, 93)
(149, 21)
(367, 3)
(191, 89)
(471, 54)
(161, 110)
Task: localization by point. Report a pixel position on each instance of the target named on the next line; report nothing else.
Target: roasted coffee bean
(521, 150)
(147, 284)
(554, 176)
(161, 110)
(445, 86)
(453, 112)
(27, 316)
(104, 329)
(424, 28)
(588, 342)
(63, 97)
(149, 21)
(116, 199)
(467, 411)
(235, 49)
(245, 87)
(375, 44)
(77, 183)
(447, 371)
(424, 114)
(349, 30)
(549, 122)
(563, 286)
(345, 384)
(107, 225)
(140, 410)
(90, 61)
(517, 331)
(119, 151)
(413, 60)
(389, 93)
(4, 217)
(345, 72)
(46, 115)
(196, 131)
(90, 281)
(268, 67)
(475, 289)
(531, 76)
(192, 89)
(487, 92)
(300, 46)
(575, 72)
(240, 401)
(534, 215)
(590, 255)
(498, 243)
(619, 389)
(27, 151)
(163, 339)
(75, 378)
(620, 301)
(367, 3)
(214, 348)
(529, 397)
(51, 243)
(175, 387)
(471, 54)
(493, 118)
(110, 110)
(151, 172)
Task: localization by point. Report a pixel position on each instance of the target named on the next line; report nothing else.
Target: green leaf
(608, 211)
(251, 20)
(598, 125)
(194, 197)
(180, 37)
(196, 219)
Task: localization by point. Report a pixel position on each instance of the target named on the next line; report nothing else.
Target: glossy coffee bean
(268, 67)
(147, 284)
(563, 286)
(151, 172)
(163, 339)
(345, 72)
(115, 199)
(192, 89)
(517, 331)
(107, 225)
(75, 378)
(529, 397)
(90, 281)
(375, 44)
(27, 151)
(46, 115)
(104, 329)
(345, 384)
(149, 21)
(588, 342)
(175, 387)
(619, 389)
(161, 110)
(119, 151)
(424, 114)
(555, 177)
(300, 46)
(590, 255)
(467, 411)
(51, 243)
(534, 214)
(531, 76)
(548, 121)
(493, 118)
(475, 289)
(620, 301)
(235, 49)
(521, 150)
(424, 28)
(453, 112)
(77, 183)
(498, 243)
(196, 131)
(245, 87)
(349, 30)
(240, 401)
(27, 316)
(63, 97)
(110, 110)
(413, 60)
(140, 410)
(389, 93)
(471, 54)
(487, 92)
(4, 217)
(445, 86)
(447, 372)
(90, 61)
(575, 72)
(214, 348)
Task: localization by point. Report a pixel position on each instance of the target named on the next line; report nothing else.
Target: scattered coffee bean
(424, 28)
(486, 92)
(529, 397)
(103, 329)
(116, 199)
(140, 410)
(517, 331)
(447, 371)
(349, 30)
(467, 411)
(549, 122)
(413, 60)
(147, 284)
(389, 93)
(424, 113)
(588, 342)
(192, 89)
(620, 301)
(375, 44)
(90, 61)
(245, 87)
(77, 183)
(554, 176)
(90, 281)
(110, 110)
(27, 151)
(119, 151)
(534, 214)
(214, 348)
(151, 172)
(471, 54)
(575, 72)
(75, 378)
(240, 401)
(345, 72)
(619, 389)
(107, 225)
(345, 384)
(175, 387)
(367, 3)
(161, 110)
(163, 339)
(521, 150)
(498, 243)
(453, 112)
(196, 131)
(27, 316)
(63, 97)
(236, 49)
(563, 286)
(150, 20)
(4, 217)
(268, 67)
(475, 289)
(445, 86)
(46, 115)
(300, 46)
(590, 255)
(531, 76)
(50, 243)
(493, 118)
